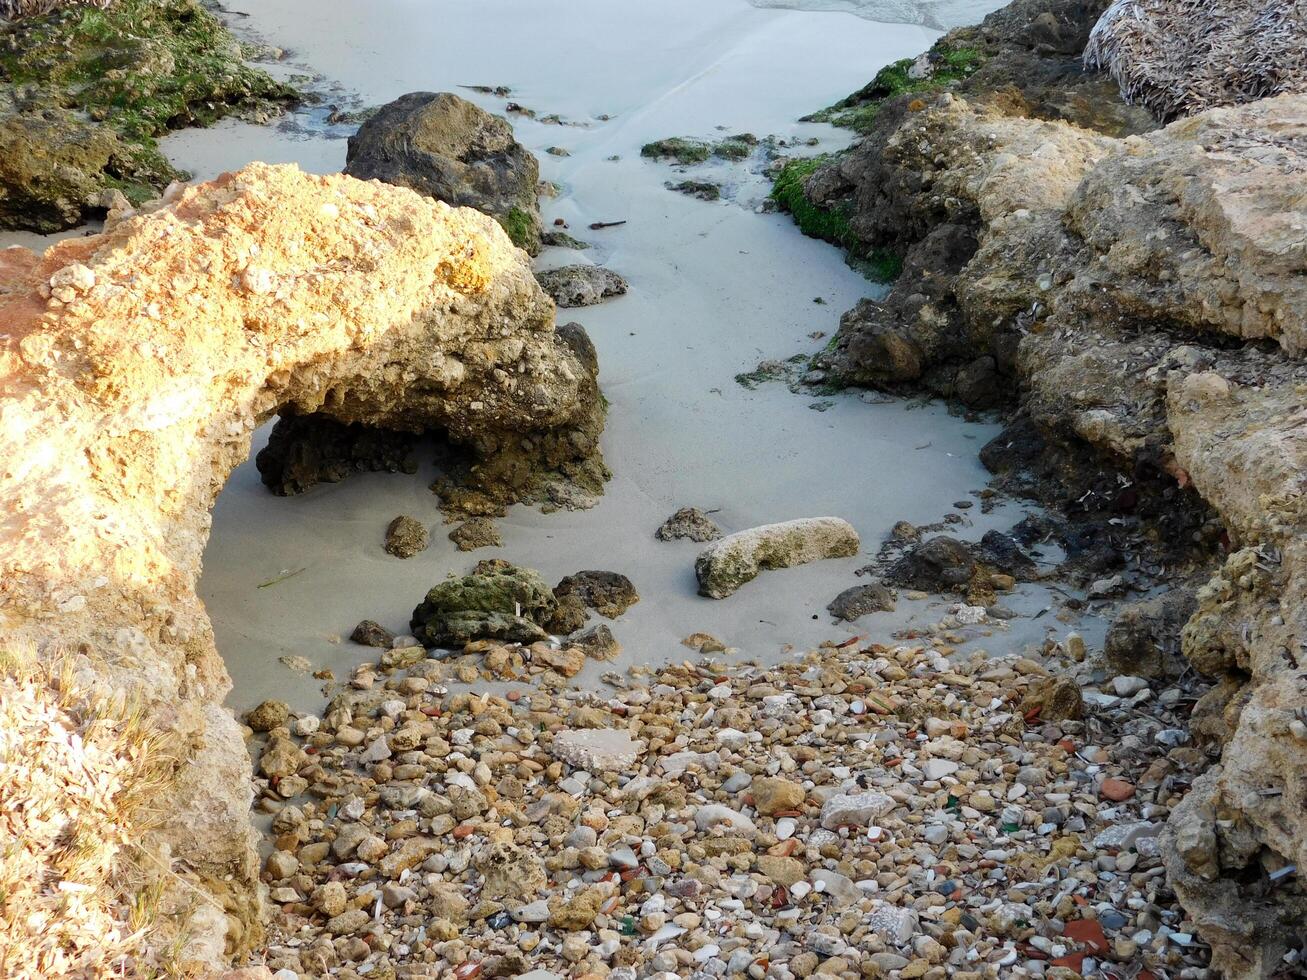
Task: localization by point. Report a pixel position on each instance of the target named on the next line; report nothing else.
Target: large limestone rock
(134, 368)
(449, 149)
(1138, 298)
(738, 558)
(1244, 445)
(1142, 299)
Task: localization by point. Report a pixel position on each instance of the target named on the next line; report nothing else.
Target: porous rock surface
(581, 285)
(1138, 300)
(134, 368)
(447, 148)
(738, 558)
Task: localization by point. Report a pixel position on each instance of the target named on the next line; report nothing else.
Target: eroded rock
(691, 523)
(860, 600)
(407, 536)
(445, 147)
(148, 367)
(738, 558)
(581, 285)
(608, 593)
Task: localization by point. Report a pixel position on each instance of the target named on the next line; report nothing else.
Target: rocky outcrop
(447, 148)
(1237, 844)
(444, 147)
(134, 368)
(1134, 300)
(85, 93)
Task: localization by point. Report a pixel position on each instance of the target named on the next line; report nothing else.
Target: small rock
(690, 523)
(608, 593)
(1125, 686)
(406, 536)
(372, 634)
(597, 749)
(771, 795)
(581, 285)
(857, 809)
(1116, 790)
(268, 715)
(476, 532)
(860, 600)
(1054, 699)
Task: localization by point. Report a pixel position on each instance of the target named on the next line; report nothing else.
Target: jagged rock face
(134, 368)
(1244, 447)
(1143, 300)
(449, 149)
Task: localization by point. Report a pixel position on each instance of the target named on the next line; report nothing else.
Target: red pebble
(1116, 790)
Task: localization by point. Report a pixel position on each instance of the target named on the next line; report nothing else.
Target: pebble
(438, 827)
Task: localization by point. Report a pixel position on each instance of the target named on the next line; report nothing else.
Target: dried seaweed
(1179, 57)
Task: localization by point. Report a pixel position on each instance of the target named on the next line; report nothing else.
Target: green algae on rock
(830, 223)
(85, 93)
(497, 601)
(945, 63)
(685, 150)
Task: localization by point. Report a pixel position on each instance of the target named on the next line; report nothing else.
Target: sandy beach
(715, 288)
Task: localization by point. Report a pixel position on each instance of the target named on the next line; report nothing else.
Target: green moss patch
(830, 223)
(858, 112)
(521, 228)
(128, 74)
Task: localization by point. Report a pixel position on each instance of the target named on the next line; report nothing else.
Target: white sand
(714, 288)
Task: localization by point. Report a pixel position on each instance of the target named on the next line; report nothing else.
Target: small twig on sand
(280, 578)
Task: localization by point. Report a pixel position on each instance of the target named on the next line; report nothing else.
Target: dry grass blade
(1178, 57)
(75, 771)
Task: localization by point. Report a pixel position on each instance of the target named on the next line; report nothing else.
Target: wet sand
(715, 287)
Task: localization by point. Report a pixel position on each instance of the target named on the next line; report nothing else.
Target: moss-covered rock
(85, 93)
(55, 166)
(947, 62)
(445, 147)
(686, 150)
(497, 601)
(829, 222)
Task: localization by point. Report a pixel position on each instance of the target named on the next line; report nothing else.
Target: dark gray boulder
(445, 147)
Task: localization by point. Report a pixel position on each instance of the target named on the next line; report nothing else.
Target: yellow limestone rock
(134, 368)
